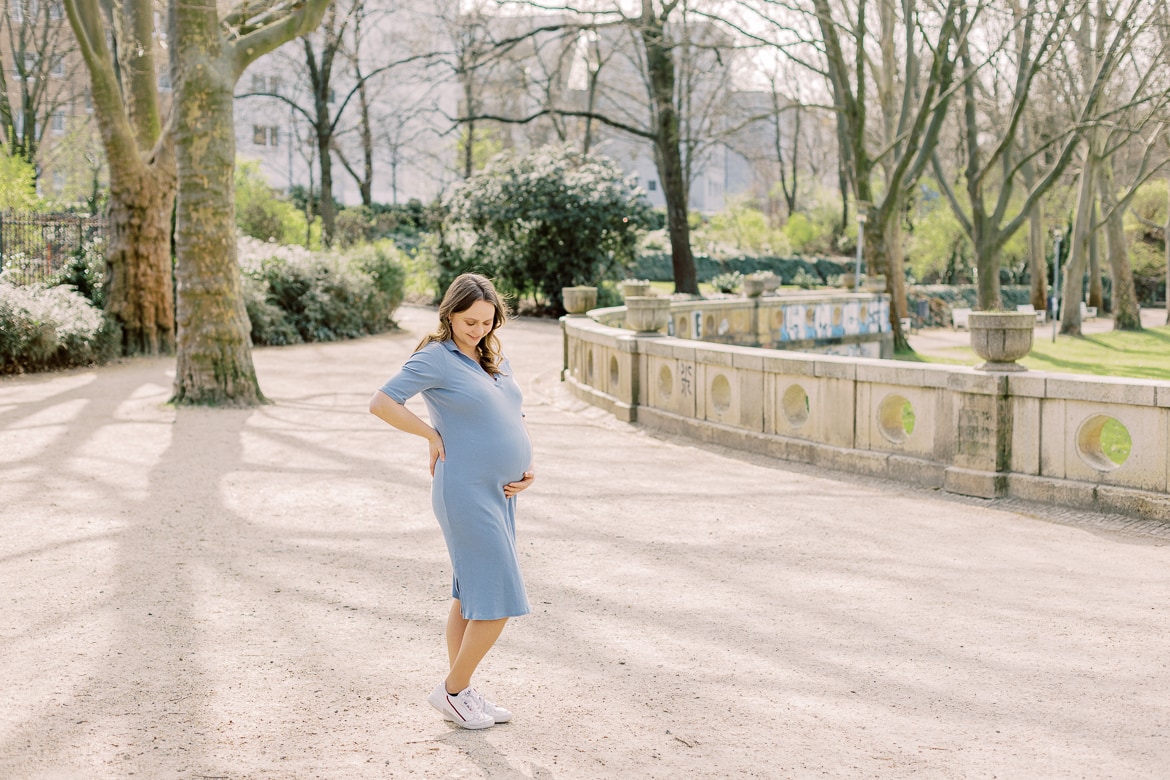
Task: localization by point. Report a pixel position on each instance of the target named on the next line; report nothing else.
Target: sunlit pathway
(261, 594)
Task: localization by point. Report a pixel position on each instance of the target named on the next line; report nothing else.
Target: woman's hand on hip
(512, 488)
(437, 451)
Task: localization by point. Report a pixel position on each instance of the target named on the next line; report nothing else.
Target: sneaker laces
(480, 701)
(476, 703)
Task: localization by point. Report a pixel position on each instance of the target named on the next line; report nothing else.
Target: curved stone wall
(837, 323)
(1032, 435)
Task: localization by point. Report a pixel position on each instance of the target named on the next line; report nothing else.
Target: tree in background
(39, 82)
(208, 55)
(884, 152)
(554, 218)
(140, 156)
(1117, 97)
(18, 184)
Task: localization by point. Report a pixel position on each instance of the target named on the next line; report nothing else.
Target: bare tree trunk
(139, 295)
(326, 209)
(1127, 314)
(667, 151)
(1166, 249)
(366, 184)
(1074, 281)
(1096, 293)
(140, 290)
(1037, 263)
(215, 347)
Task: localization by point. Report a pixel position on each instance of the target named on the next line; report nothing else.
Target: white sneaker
(464, 710)
(494, 711)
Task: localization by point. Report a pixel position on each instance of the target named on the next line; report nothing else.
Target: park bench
(960, 318)
(1088, 312)
(1028, 308)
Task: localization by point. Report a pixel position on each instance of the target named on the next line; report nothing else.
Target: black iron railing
(35, 247)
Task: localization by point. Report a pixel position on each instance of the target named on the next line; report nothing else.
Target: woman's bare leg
(456, 625)
(468, 641)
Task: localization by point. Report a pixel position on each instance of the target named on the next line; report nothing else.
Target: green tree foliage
(18, 188)
(260, 213)
(551, 219)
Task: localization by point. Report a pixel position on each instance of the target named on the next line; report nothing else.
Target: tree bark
(215, 348)
(327, 211)
(139, 287)
(366, 184)
(1127, 315)
(1096, 291)
(1074, 282)
(667, 150)
(140, 290)
(1037, 262)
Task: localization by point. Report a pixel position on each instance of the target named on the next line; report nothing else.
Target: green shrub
(86, 272)
(18, 184)
(800, 232)
(293, 295)
(45, 327)
(553, 218)
(261, 214)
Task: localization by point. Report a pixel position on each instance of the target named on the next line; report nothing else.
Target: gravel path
(261, 593)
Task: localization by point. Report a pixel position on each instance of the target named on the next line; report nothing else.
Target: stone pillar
(983, 435)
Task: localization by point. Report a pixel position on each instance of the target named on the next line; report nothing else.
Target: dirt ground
(261, 593)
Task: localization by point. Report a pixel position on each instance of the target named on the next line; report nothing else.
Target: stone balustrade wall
(1031, 435)
(841, 323)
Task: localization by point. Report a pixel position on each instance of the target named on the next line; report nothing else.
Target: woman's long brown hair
(463, 292)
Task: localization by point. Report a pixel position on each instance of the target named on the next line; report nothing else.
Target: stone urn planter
(638, 288)
(579, 300)
(771, 282)
(875, 284)
(753, 286)
(848, 281)
(647, 314)
(1001, 338)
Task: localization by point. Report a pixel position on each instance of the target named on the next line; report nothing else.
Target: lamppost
(861, 217)
(1055, 313)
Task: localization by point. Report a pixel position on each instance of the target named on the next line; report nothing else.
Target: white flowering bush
(294, 295)
(50, 327)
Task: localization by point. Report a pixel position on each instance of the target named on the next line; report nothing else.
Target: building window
(257, 82)
(58, 181)
(652, 185)
(265, 136)
(57, 123)
(17, 11)
(56, 11)
(88, 101)
(274, 85)
(58, 68)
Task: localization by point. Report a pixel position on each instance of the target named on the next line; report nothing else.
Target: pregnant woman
(480, 458)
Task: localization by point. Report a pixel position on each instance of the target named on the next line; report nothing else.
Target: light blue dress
(486, 446)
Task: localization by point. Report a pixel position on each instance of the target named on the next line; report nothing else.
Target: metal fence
(35, 247)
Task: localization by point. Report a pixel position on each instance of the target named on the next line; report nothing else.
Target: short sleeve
(424, 370)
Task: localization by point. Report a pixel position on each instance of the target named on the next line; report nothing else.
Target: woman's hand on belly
(512, 488)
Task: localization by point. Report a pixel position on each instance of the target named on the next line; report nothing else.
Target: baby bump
(498, 458)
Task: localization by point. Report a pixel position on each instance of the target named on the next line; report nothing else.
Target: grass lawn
(1142, 355)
